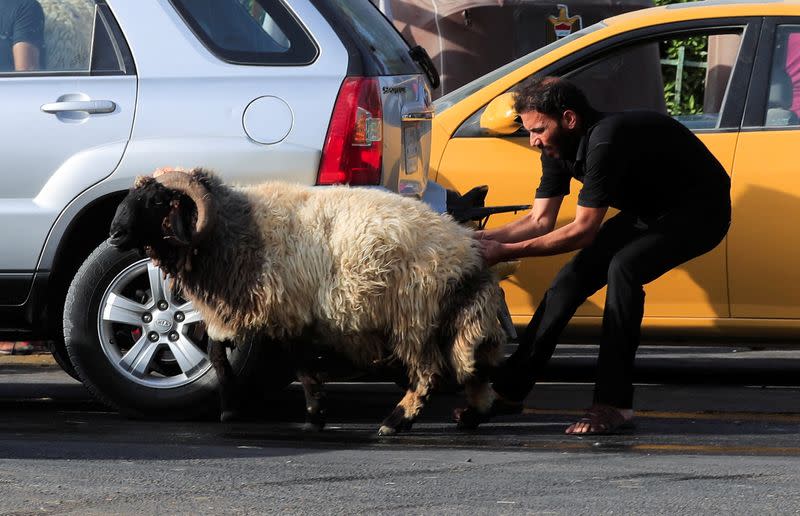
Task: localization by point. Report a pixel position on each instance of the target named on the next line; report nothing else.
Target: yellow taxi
(730, 71)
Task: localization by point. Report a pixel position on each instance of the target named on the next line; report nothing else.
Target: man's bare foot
(602, 419)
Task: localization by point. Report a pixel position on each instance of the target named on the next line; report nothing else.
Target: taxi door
(763, 243)
(702, 87)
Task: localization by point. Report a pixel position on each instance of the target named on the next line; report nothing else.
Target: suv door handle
(87, 106)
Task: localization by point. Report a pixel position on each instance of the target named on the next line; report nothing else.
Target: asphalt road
(724, 438)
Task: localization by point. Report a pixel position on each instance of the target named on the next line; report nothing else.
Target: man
(674, 202)
(21, 35)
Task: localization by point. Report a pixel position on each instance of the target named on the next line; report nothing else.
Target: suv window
(383, 40)
(783, 102)
(375, 46)
(67, 36)
(249, 31)
(684, 75)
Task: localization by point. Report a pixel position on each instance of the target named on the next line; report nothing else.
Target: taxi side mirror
(499, 117)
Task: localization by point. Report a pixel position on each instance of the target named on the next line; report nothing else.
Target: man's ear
(178, 226)
(569, 119)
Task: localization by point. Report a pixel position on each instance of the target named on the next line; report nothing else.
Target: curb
(32, 360)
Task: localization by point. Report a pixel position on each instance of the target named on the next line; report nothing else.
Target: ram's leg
(406, 412)
(226, 378)
(315, 401)
(479, 394)
(481, 398)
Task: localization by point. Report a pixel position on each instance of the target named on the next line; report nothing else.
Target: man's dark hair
(551, 96)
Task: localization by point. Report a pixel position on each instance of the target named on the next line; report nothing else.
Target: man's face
(556, 137)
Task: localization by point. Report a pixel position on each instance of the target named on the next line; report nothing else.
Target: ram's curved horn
(199, 194)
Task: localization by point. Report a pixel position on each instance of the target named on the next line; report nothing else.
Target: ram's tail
(470, 331)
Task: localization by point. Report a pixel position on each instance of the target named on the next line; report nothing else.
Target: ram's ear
(178, 226)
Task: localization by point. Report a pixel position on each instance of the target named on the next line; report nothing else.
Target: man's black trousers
(626, 254)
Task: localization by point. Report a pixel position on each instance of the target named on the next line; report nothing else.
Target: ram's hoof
(226, 416)
(384, 431)
(470, 418)
(313, 426)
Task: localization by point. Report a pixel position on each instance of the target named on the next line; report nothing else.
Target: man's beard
(565, 143)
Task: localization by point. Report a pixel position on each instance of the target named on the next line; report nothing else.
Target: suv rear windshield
(383, 50)
(249, 31)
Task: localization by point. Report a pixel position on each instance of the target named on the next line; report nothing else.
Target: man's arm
(28, 36)
(540, 220)
(26, 56)
(576, 235)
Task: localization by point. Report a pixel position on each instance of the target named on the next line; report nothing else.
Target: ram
(360, 273)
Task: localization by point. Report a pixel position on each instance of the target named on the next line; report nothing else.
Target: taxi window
(249, 31)
(683, 75)
(783, 101)
(456, 96)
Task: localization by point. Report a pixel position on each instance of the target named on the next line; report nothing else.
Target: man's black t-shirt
(20, 20)
(643, 163)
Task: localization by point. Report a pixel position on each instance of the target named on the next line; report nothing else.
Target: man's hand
(492, 251)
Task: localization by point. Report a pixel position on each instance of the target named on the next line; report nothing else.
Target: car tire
(148, 361)
(60, 354)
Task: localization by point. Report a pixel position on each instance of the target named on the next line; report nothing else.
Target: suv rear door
(65, 128)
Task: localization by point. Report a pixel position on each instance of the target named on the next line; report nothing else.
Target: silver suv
(309, 91)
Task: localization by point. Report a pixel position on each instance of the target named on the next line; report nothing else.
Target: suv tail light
(353, 151)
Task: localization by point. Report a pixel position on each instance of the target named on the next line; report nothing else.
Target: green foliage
(692, 90)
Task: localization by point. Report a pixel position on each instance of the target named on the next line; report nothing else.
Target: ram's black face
(137, 223)
(159, 222)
